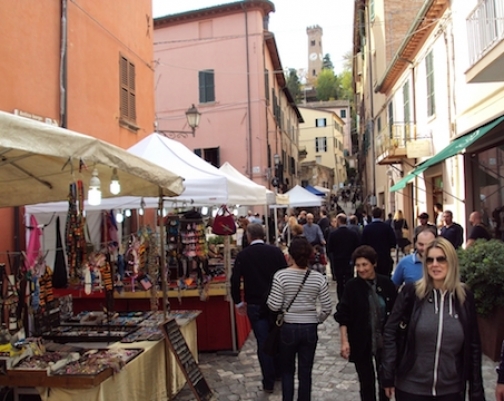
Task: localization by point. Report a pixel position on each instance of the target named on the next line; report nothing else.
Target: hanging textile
(75, 231)
(60, 275)
(33, 249)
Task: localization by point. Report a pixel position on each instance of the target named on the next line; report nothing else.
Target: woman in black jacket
(366, 303)
(431, 339)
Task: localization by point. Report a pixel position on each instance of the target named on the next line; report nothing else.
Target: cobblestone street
(234, 378)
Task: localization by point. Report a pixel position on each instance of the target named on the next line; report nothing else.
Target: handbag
(271, 345)
(404, 230)
(224, 223)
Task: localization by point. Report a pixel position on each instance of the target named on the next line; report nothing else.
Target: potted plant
(482, 269)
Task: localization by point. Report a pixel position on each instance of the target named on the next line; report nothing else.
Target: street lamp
(193, 118)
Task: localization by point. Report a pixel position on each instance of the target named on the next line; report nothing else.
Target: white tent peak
(298, 197)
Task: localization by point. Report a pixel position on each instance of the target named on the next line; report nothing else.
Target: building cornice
(264, 6)
(424, 23)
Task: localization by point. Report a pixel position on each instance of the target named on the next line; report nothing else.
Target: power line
(199, 41)
(111, 34)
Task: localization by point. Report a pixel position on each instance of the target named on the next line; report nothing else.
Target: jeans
(301, 340)
(403, 396)
(367, 379)
(260, 326)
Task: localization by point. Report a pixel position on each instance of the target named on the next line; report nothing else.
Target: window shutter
(131, 76)
(266, 84)
(197, 152)
(217, 152)
(124, 102)
(201, 78)
(210, 86)
(206, 86)
(123, 79)
(127, 100)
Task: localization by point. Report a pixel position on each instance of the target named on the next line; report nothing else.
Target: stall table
(148, 377)
(213, 324)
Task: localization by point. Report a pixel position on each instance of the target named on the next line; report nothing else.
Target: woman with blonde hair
(288, 231)
(399, 224)
(432, 347)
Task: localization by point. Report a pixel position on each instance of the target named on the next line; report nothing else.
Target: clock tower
(315, 55)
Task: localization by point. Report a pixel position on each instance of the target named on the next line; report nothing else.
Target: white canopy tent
(229, 170)
(322, 189)
(205, 185)
(299, 197)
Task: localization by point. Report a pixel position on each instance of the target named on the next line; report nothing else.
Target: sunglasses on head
(430, 260)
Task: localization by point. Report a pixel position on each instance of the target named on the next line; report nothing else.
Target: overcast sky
(289, 23)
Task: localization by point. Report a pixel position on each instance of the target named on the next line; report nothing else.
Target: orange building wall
(97, 33)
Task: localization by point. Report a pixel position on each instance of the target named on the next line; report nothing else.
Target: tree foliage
(294, 85)
(481, 268)
(346, 89)
(327, 85)
(327, 63)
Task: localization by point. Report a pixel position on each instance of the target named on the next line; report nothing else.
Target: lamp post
(193, 118)
(276, 181)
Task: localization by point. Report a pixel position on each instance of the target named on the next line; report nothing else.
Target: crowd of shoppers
(413, 337)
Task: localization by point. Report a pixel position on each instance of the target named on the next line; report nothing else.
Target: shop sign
(418, 148)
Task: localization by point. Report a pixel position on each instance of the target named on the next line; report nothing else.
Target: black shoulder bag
(272, 344)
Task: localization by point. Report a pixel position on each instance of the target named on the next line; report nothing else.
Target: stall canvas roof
(299, 197)
(205, 184)
(38, 161)
(229, 170)
(314, 190)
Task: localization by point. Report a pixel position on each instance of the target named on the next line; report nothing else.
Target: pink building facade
(224, 60)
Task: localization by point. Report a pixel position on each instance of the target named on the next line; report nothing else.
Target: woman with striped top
(299, 331)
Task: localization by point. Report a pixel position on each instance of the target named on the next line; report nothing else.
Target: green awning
(457, 146)
(401, 184)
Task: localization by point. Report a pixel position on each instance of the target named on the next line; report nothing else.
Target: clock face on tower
(313, 56)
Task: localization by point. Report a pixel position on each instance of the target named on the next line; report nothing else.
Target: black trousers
(367, 379)
(403, 396)
(343, 272)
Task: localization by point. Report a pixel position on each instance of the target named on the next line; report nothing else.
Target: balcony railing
(485, 28)
(390, 144)
(302, 152)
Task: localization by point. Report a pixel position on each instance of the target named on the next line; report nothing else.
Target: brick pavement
(238, 378)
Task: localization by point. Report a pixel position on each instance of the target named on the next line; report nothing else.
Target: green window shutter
(201, 78)
(210, 86)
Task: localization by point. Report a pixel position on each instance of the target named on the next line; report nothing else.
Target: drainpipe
(249, 133)
(413, 97)
(268, 155)
(63, 64)
(371, 98)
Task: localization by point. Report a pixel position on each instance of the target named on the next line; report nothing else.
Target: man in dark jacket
(382, 238)
(257, 264)
(452, 231)
(324, 223)
(340, 246)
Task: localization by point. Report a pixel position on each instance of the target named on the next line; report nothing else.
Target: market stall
(194, 283)
(44, 163)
